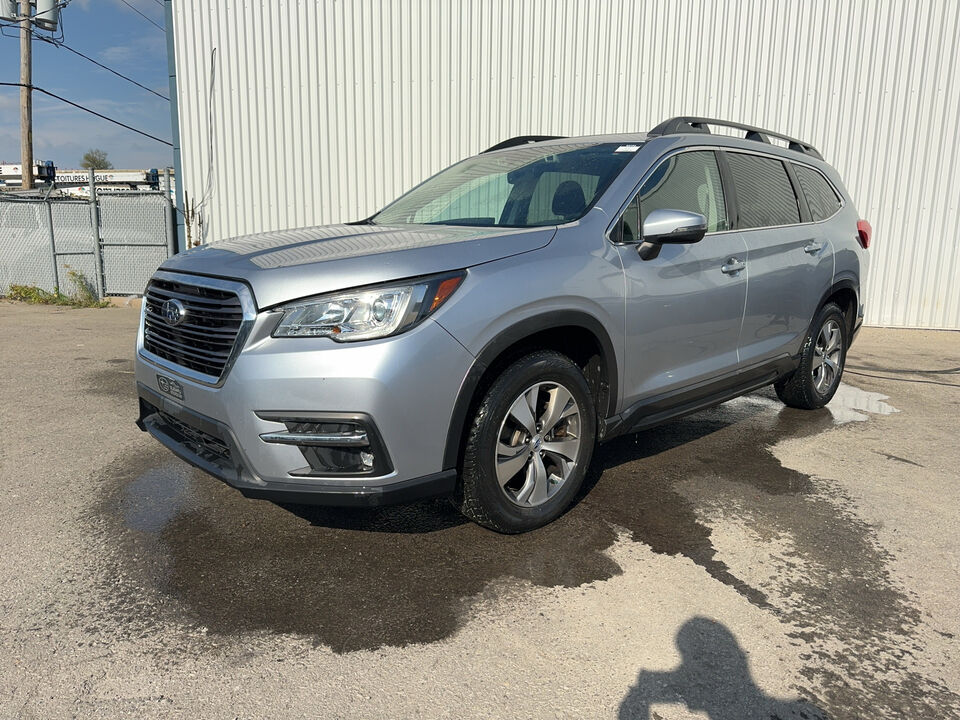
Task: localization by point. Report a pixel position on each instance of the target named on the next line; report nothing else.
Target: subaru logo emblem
(173, 311)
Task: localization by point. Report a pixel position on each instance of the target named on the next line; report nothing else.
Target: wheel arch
(577, 334)
(845, 292)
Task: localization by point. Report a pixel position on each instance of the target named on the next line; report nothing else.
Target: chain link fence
(115, 243)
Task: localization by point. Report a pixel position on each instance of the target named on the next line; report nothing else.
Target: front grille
(204, 340)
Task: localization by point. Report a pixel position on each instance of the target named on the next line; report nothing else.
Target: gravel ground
(749, 561)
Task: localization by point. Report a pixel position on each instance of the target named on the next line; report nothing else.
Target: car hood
(288, 264)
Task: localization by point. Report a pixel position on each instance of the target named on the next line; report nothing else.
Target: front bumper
(407, 385)
(209, 445)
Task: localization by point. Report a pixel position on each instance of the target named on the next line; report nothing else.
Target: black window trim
(727, 180)
(805, 215)
(729, 190)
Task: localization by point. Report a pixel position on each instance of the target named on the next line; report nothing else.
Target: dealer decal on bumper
(170, 387)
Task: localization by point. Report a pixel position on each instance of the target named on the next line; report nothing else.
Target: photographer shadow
(714, 678)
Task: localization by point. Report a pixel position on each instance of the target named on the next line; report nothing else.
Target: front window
(687, 181)
(528, 186)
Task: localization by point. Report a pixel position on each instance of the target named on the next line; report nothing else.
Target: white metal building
(302, 112)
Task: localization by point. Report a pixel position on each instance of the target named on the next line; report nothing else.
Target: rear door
(683, 311)
(789, 259)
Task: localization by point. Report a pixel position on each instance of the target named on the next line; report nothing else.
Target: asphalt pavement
(749, 561)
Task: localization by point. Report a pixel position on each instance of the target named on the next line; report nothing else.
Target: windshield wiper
(477, 221)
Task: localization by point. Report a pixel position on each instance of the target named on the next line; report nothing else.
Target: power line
(159, 27)
(92, 112)
(99, 64)
(59, 43)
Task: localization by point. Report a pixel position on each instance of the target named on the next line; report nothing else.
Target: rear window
(764, 193)
(821, 197)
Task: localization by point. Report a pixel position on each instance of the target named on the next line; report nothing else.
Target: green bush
(84, 294)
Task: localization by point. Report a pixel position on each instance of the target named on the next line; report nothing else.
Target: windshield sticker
(627, 148)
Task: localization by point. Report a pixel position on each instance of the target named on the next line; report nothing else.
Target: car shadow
(713, 678)
(420, 517)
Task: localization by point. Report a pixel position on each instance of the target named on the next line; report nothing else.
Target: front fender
(511, 336)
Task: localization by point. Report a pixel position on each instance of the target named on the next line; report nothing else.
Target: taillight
(864, 233)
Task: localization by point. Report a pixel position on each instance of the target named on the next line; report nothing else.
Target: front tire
(529, 445)
(822, 360)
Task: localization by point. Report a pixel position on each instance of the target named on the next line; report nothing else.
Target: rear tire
(529, 445)
(822, 359)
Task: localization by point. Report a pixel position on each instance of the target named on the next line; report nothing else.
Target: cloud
(143, 50)
(10, 101)
(62, 133)
(117, 54)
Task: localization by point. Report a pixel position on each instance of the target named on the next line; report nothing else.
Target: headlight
(368, 312)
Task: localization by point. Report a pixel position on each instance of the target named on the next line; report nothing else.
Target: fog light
(332, 444)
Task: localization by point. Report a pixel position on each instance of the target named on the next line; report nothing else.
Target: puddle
(156, 497)
(851, 404)
(351, 579)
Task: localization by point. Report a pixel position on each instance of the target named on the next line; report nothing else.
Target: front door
(683, 308)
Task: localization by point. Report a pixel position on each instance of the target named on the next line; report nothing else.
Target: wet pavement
(362, 579)
(335, 574)
(175, 548)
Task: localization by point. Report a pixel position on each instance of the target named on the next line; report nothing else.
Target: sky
(115, 35)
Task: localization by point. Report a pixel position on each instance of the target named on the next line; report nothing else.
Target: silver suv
(480, 335)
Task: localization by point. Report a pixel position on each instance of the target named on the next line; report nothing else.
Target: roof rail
(685, 124)
(522, 140)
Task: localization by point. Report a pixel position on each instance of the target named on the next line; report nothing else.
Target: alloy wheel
(538, 445)
(827, 356)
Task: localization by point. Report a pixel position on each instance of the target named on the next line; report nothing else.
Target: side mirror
(670, 226)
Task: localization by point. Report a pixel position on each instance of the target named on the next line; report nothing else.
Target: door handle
(812, 247)
(733, 266)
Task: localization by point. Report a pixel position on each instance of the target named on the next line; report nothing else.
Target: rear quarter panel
(851, 262)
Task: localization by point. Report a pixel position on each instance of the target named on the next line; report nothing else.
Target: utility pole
(26, 98)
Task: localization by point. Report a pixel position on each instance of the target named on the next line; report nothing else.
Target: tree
(95, 159)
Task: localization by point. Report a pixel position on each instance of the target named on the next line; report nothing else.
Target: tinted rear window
(821, 198)
(764, 193)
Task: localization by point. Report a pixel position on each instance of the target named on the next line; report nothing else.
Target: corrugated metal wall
(323, 111)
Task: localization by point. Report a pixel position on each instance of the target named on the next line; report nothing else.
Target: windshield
(524, 187)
